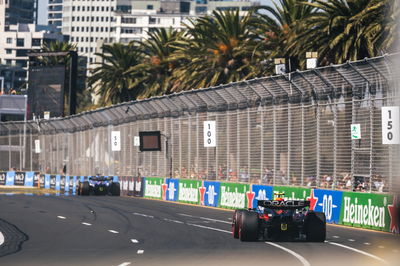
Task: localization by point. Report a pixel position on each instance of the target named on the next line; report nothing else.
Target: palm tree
(344, 30)
(278, 27)
(110, 78)
(219, 49)
(57, 46)
(154, 73)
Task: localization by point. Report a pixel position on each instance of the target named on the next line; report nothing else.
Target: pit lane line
(1, 238)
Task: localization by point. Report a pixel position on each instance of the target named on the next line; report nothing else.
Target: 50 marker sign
(390, 125)
(210, 138)
(116, 140)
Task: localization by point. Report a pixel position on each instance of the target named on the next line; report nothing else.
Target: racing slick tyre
(248, 226)
(315, 226)
(236, 223)
(83, 188)
(115, 189)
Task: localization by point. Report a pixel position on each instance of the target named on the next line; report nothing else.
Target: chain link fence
(292, 129)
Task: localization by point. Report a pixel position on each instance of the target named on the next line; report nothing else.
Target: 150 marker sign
(390, 125)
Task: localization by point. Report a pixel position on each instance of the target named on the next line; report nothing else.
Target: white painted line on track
(210, 228)
(61, 217)
(134, 241)
(366, 243)
(358, 251)
(88, 224)
(298, 256)
(144, 215)
(351, 240)
(173, 221)
(124, 264)
(113, 231)
(336, 236)
(205, 218)
(140, 251)
(1, 238)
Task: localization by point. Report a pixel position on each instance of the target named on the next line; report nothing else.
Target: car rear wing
(284, 204)
(101, 178)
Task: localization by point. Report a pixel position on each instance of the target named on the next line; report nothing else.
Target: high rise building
(13, 12)
(54, 13)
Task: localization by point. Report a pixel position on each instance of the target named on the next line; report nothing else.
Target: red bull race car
(279, 219)
(99, 185)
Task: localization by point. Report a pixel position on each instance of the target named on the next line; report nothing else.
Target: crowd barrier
(357, 209)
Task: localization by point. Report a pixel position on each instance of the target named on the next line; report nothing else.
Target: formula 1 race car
(99, 185)
(279, 219)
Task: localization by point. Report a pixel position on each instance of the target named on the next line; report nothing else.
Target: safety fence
(357, 209)
(317, 128)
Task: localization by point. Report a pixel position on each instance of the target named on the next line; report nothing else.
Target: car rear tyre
(236, 223)
(315, 225)
(115, 189)
(83, 189)
(248, 228)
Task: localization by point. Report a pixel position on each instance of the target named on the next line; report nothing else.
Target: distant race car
(279, 219)
(99, 185)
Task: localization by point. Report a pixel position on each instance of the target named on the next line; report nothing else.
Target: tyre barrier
(356, 209)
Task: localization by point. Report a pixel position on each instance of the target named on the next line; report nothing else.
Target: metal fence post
(335, 125)
(248, 145)
(274, 142)
(302, 143)
(371, 132)
(289, 142)
(318, 146)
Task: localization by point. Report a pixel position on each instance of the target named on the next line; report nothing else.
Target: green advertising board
(234, 196)
(189, 191)
(366, 210)
(293, 193)
(153, 187)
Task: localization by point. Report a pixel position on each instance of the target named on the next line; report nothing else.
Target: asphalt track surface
(72, 230)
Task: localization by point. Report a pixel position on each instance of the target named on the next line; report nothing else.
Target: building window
(150, 7)
(8, 62)
(97, 18)
(36, 42)
(72, 39)
(87, 39)
(152, 20)
(8, 51)
(82, 29)
(83, 18)
(9, 40)
(20, 42)
(73, 18)
(72, 28)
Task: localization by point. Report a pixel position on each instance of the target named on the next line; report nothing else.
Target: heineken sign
(365, 210)
(189, 191)
(234, 196)
(153, 187)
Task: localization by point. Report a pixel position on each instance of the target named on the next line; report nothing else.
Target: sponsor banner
(293, 193)
(327, 201)
(10, 178)
(172, 189)
(235, 196)
(36, 179)
(131, 186)
(367, 210)
(261, 192)
(58, 183)
(153, 187)
(19, 179)
(81, 178)
(3, 176)
(74, 183)
(42, 181)
(52, 181)
(62, 183)
(188, 191)
(138, 186)
(47, 181)
(209, 193)
(66, 184)
(115, 179)
(29, 179)
(123, 182)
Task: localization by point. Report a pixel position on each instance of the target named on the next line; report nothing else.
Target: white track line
(134, 241)
(358, 251)
(124, 264)
(210, 228)
(351, 240)
(1, 238)
(298, 256)
(336, 236)
(173, 221)
(140, 251)
(113, 231)
(205, 218)
(61, 217)
(366, 243)
(88, 224)
(144, 215)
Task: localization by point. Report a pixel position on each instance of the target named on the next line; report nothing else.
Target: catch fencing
(292, 129)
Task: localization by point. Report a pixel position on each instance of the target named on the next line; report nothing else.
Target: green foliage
(226, 47)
